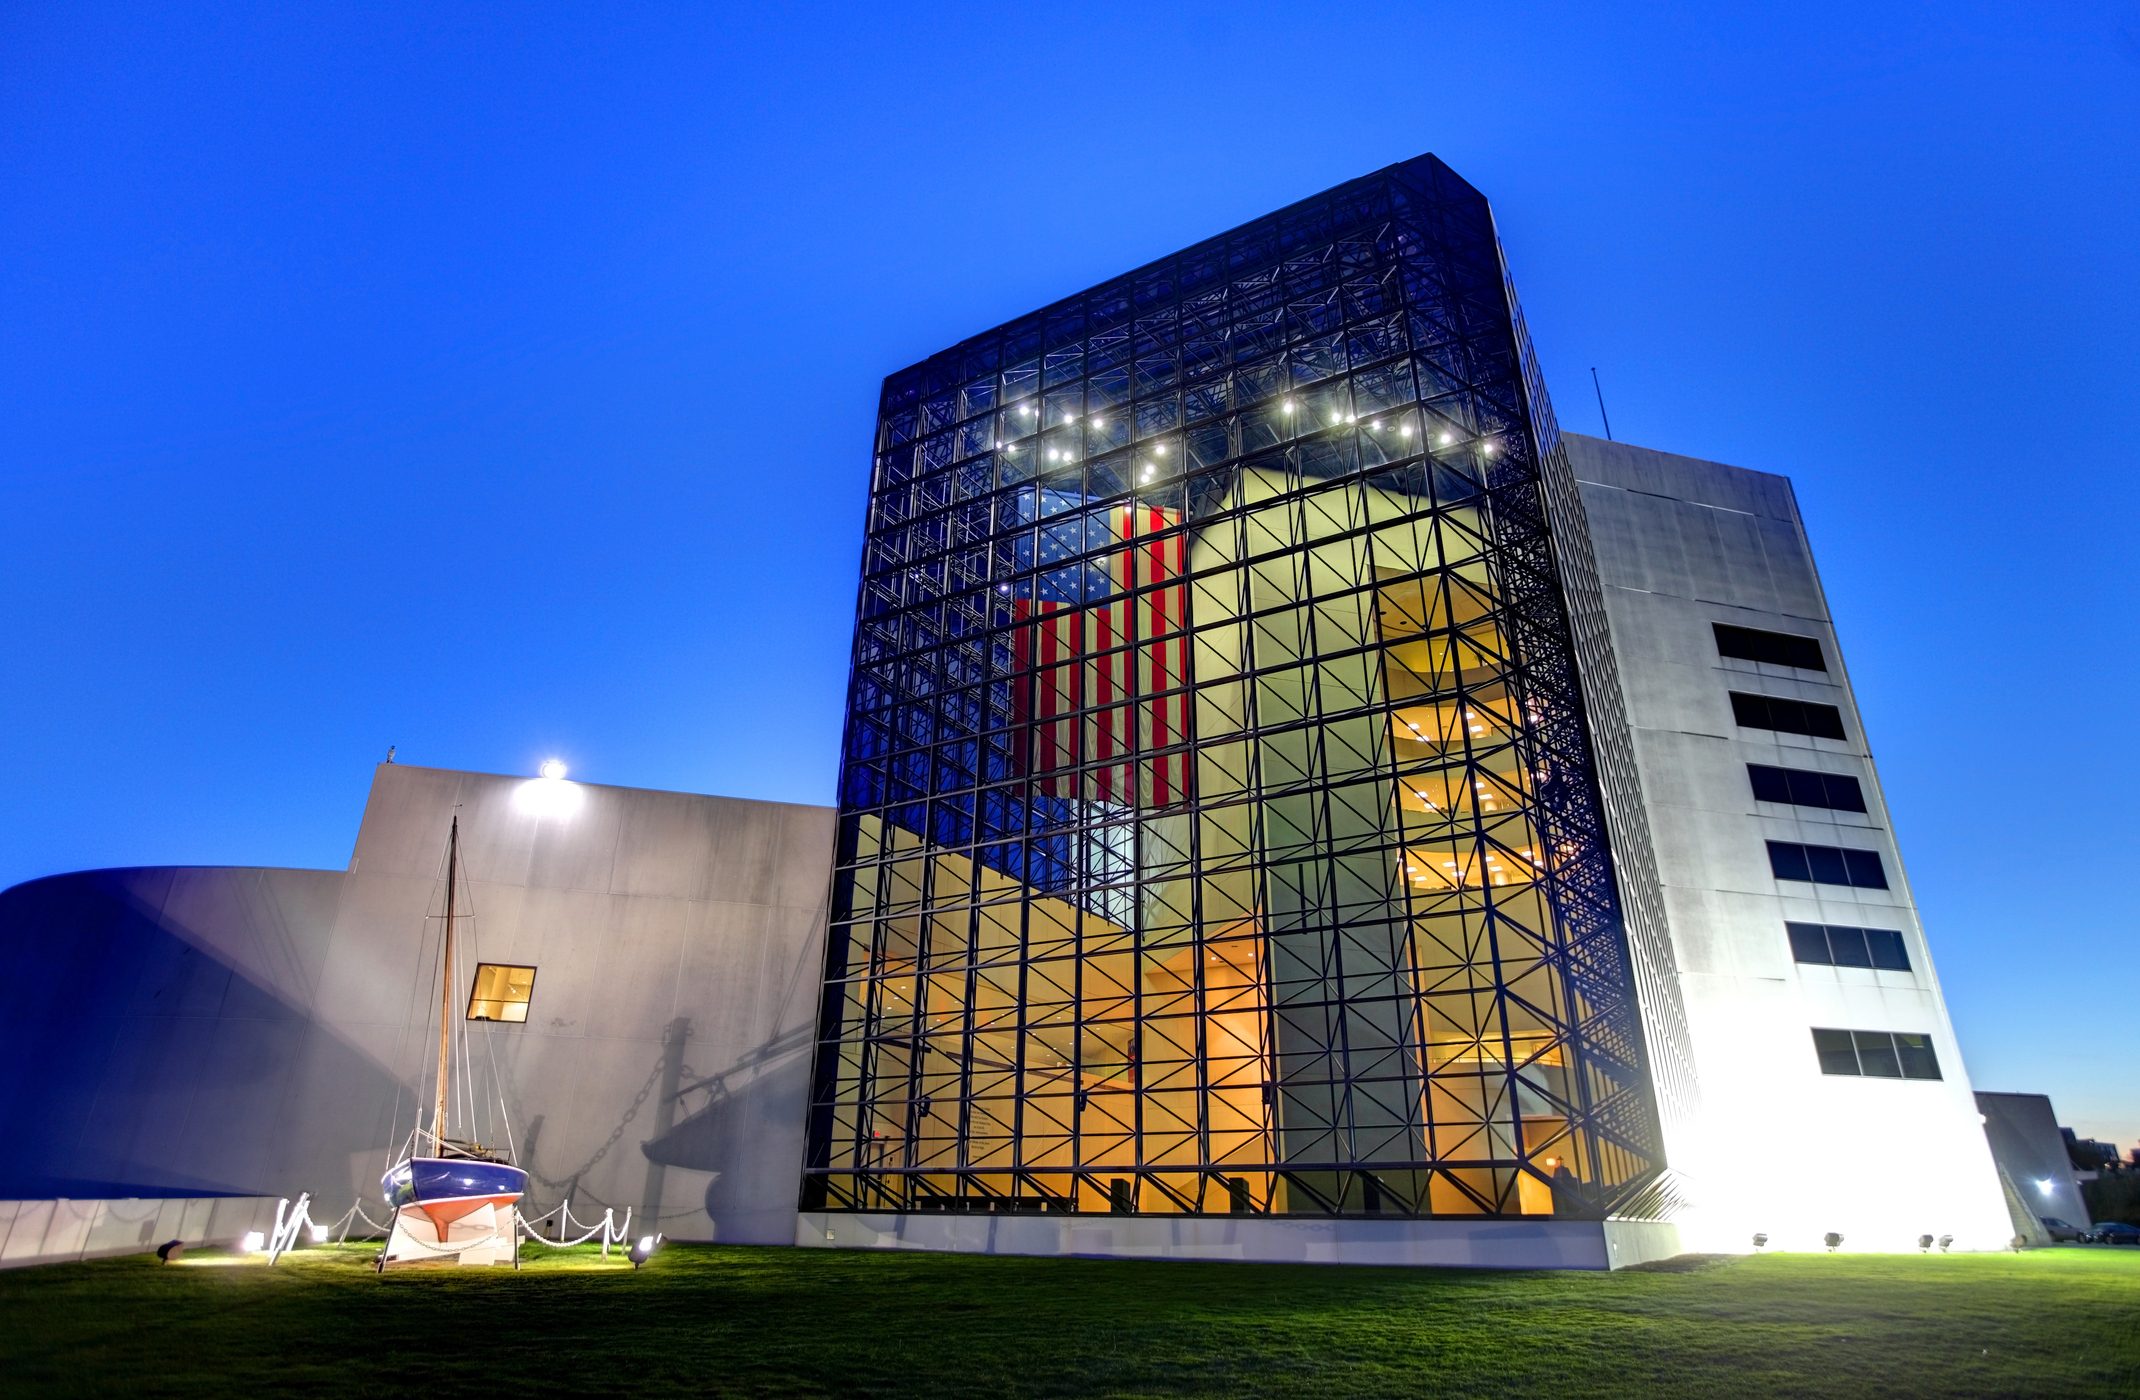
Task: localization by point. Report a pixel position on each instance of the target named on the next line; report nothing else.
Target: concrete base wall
(1481, 1244)
(56, 1232)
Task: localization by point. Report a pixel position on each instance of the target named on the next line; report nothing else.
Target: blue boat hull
(447, 1188)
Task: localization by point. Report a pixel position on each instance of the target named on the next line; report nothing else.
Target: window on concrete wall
(1803, 788)
(1876, 1054)
(1826, 865)
(1775, 648)
(1786, 716)
(1839, 945)
(501, 992)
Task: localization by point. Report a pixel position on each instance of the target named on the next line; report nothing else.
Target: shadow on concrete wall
(141, 1062)
(746, 1104)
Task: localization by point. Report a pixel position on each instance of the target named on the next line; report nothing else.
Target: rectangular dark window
(1786, 716)
(1803, 788)
(1826, 865)
(1839, 945)
(1876, 1054)
(1775, 648)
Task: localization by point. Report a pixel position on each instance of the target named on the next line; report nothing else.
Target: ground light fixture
(643, 1250)
(318, 1233)
(171, 1251)
(253, 1243)
(1946, 1242)
(1833, 1240)
(1924, 1244)
(1760, 1243)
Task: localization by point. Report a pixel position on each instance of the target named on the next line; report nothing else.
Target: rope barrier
(291, 1222)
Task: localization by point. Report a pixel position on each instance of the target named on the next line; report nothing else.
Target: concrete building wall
(264, 1032)
(1784, 1149)
(2031, 1153)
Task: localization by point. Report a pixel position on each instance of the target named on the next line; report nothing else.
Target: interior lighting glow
(1446, 439)
(1408, 430)
(1289, 405)
(1026, 409)
(1486, 449)
(1159, 449)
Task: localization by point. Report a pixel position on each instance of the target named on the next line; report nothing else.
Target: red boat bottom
(443, 1213)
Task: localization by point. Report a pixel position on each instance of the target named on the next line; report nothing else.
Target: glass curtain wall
(1201, 847)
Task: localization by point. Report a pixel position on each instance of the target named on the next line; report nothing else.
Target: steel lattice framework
(1236, 811)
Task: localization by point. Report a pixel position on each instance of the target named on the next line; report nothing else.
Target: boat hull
(444, 1189)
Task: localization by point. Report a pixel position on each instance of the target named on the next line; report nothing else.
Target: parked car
(2113, 1232)
(2061, 1232)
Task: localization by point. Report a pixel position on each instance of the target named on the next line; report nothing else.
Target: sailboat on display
(454, 1201)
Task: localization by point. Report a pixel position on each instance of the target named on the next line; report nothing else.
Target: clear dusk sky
(497, 382)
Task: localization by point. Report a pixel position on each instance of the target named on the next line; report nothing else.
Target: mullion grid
(1343, 376)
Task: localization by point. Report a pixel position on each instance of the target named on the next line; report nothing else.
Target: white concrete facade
(1784, 1149)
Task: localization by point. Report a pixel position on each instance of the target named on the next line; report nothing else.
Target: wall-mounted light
(552, 768)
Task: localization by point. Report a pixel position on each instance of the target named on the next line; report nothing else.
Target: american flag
(1107, 674)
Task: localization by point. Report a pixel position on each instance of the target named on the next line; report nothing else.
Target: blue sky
(498, 382)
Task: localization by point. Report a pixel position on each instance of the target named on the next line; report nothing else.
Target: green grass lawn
(808, 1322)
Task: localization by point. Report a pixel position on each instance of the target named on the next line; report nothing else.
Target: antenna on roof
(1601, 402)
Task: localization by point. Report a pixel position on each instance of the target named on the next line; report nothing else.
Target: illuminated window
(501, 992)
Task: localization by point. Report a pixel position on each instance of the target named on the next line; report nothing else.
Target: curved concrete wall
(179, 1031)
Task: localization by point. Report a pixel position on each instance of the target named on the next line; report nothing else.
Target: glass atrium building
(1236, 814)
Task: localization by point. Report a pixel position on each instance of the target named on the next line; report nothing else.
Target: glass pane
(1837, 1054)
(1848, 945)
(1887, 949)
(1876, 1053)
(1809, 943)
(1917, 1059)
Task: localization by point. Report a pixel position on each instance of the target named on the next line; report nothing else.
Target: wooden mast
(445, 997)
